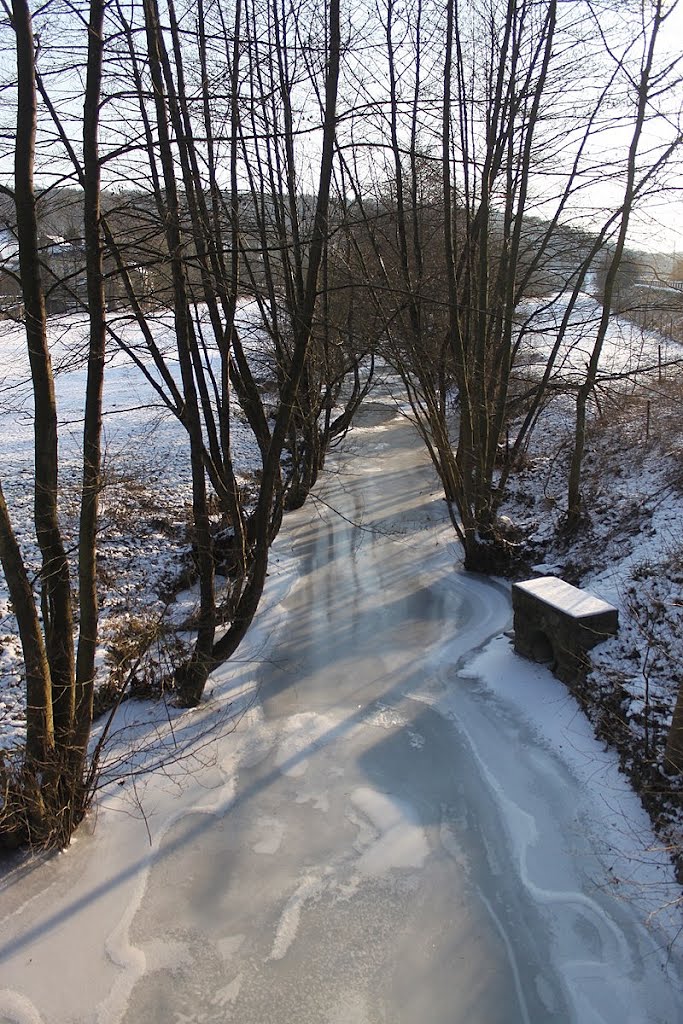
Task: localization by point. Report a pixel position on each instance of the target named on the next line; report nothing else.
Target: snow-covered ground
(380, 813)
(630, 547)
(144, 541)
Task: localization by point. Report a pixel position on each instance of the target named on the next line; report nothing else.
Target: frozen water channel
(382, 839)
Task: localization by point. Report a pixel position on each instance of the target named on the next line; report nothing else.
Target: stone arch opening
(541, 646)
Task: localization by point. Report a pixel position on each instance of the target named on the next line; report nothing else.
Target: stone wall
(557, 624)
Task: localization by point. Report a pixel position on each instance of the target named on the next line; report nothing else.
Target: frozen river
(382, 839)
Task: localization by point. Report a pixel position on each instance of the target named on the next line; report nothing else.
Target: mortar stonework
(558, 624)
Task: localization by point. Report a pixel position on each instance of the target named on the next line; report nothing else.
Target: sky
(656, 226)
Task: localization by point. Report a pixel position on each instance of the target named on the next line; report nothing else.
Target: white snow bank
(641, 870)
(562, 595)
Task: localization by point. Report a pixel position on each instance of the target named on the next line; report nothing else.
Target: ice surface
(400, 841)
(410, 825)
(274, 831)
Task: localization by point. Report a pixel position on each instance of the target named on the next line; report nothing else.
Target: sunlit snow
(407, 823)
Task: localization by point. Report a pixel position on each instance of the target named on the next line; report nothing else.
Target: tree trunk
(39, 725)
(673, 755)
(631, 188)
(191, 678)
(303, 325)
(55, 582)
(92, 432)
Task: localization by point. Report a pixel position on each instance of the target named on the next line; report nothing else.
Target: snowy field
(629, 354)
(143, 541)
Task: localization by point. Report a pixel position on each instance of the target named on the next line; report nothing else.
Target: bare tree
(267, 238)
(48, 794)
(647, 81)
(495, 107)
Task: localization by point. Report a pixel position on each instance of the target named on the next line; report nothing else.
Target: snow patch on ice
(17, 1009)
(320, 798)
(229, 946)
(308, 889)
(416, 739)
(121, 951)
(401, 841)
(272, 841)
(166, 954)
(254, 741)
(303, 736)
(589, 937)
(453, 847)
(227, 995)
(353, 1009)
(382, 716)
